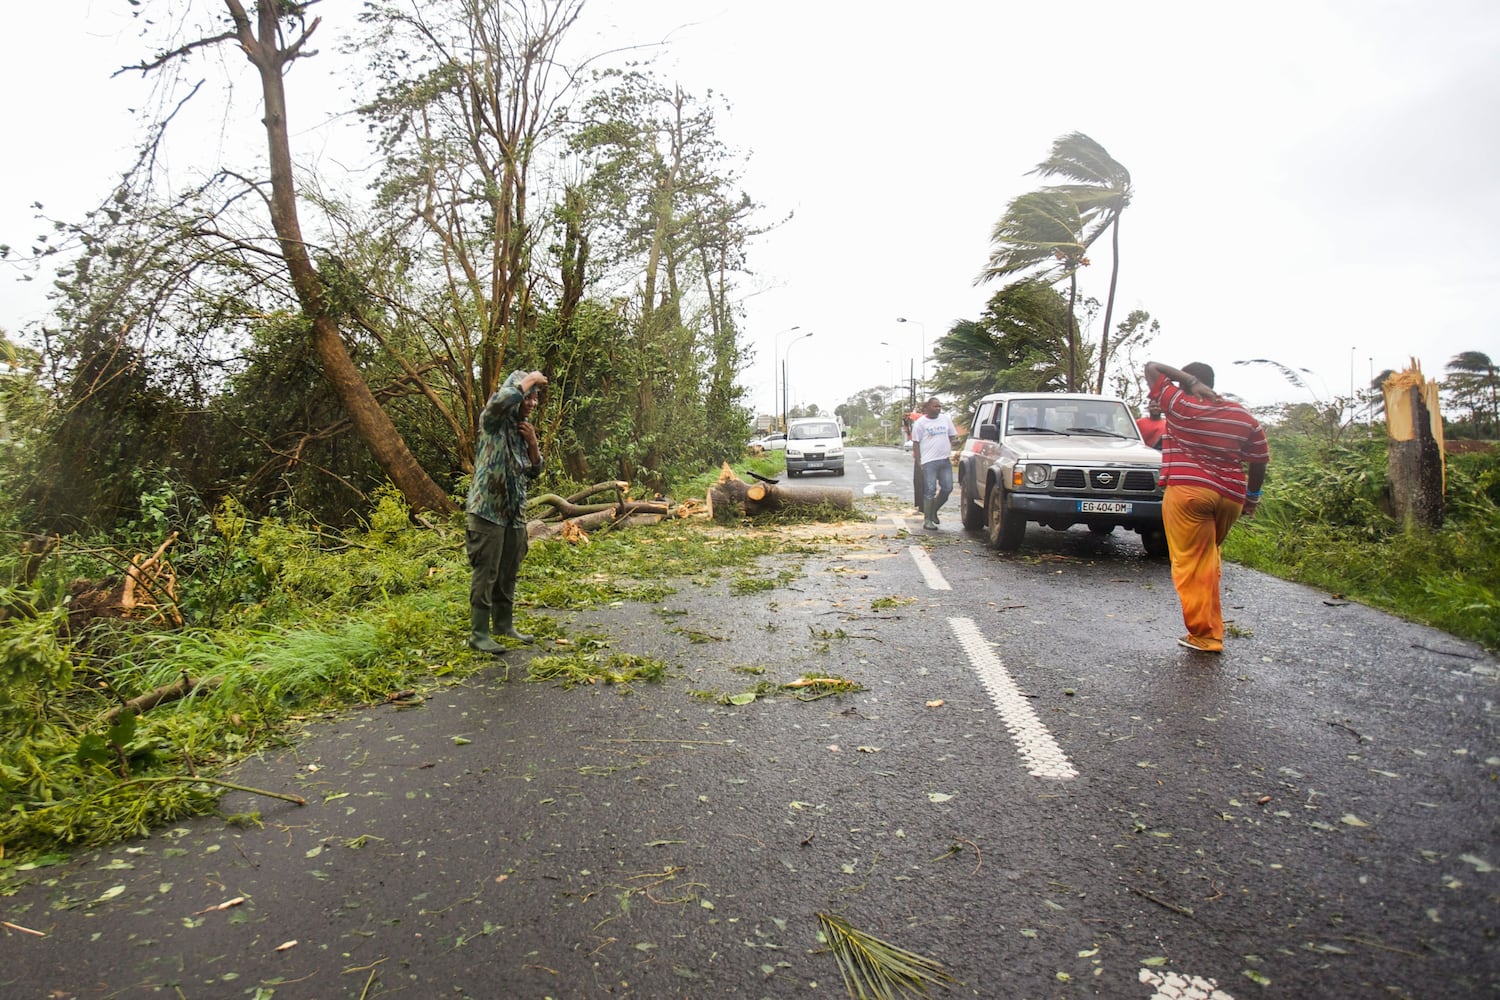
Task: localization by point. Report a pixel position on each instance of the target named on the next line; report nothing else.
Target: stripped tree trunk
(1414, 457)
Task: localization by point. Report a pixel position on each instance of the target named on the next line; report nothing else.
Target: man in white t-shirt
(934, 437)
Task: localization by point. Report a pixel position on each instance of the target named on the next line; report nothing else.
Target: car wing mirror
(989, 432)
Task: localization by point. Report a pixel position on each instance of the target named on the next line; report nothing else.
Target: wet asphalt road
(1037, 787)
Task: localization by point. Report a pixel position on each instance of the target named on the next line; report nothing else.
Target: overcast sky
(1316, 182)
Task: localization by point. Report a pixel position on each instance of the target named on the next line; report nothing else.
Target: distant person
(1152, 427)
(1210, 442)
(933, 438)
(506, 459)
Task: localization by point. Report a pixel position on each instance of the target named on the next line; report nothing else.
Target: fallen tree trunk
(568, 508)
(620, 487)
(628, 513)
(731, 498)
(178, 689)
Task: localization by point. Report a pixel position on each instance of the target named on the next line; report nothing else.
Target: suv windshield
(807, 432)
(1069, 416)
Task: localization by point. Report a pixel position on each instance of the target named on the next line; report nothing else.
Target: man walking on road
(933, 438)
(505, 459)
(1208, 445)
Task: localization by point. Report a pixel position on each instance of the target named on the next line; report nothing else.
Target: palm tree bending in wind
(1476, 375)
(1101, 190)
(1039, 237)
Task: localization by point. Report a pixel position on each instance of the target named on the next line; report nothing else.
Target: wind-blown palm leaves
(1046, 234)
(876, 970)
(1473, 380)
(1019, 345)
(1039, 237)
(1101, 190)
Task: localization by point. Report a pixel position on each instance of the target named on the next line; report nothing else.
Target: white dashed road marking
(1031, 738)
(928, 568)
(1176, 986)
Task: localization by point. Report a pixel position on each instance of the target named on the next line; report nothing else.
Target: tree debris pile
(571, 518)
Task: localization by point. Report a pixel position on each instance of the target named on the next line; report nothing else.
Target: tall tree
(1101, 191)
(272, 35)
(1041, 237)
(668, 222)
(472, 95)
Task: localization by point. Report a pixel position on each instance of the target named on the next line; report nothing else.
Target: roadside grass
(1323, 523)
(287, 621)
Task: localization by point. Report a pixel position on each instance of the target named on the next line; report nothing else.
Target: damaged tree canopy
(731, 498)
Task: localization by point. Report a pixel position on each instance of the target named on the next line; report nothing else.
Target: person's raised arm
(1188, 383)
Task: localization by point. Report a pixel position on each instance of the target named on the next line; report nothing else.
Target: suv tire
(1001, 526)
(969, 512)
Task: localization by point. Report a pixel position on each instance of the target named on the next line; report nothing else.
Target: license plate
(1103, 507)
(814, 465)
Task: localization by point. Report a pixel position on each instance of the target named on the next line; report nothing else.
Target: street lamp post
(895, 368)
(775, 360)
(784, 357)
(1353, 411)
(923, 327)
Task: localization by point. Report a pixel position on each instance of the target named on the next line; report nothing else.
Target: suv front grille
(1105, 480)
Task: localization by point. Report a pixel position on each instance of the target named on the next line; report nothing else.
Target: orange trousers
(1197, 520)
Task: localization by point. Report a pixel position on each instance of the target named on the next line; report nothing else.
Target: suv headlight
(793, 452)
(1030, 475)
(837, 449)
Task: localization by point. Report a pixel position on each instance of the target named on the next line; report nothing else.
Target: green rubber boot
(479, 632)
(929, 508)
(505, 627)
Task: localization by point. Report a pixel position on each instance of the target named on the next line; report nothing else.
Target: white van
(814, 444)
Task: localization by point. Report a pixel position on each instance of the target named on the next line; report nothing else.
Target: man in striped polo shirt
(1209, 445)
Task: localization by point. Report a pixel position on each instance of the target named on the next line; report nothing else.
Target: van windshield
(807, 432)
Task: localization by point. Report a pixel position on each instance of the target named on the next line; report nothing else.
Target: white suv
(1058, 459)
(814, 444)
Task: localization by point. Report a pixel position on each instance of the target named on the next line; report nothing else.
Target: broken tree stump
(1414, 451)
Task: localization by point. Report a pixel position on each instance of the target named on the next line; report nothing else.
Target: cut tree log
(731, 498)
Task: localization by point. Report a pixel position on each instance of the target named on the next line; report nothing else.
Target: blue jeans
(937, 480)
